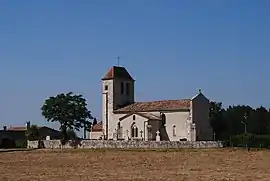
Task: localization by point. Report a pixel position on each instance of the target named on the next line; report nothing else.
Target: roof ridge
(187, 99)
(117, 72)
(26, 126)
(180, 104)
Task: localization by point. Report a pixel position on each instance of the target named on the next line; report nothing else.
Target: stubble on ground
(186, 165)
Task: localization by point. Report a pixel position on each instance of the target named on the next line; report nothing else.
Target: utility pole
(106, 117)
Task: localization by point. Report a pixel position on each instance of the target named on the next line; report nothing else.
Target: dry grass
(191, 165)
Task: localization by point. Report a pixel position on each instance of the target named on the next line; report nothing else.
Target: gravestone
(158, 136)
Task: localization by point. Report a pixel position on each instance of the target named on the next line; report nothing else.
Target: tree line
(243, 122)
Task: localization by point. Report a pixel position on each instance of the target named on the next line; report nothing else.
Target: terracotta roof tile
(155, 106)
(97, 127)
(117, 72)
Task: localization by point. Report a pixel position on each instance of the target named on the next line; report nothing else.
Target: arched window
(174, 130)
(163, 119)
(134, 131)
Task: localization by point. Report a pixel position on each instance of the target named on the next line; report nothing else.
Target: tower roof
(117, 72)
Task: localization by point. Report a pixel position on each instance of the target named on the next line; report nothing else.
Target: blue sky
(172, 48)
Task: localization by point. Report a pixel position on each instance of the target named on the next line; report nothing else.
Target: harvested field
(80, 165)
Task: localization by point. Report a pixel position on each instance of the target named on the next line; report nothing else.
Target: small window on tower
(106, 87)
(134, 117)
(122, 88)
(127, 88)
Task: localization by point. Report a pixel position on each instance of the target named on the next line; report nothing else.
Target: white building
(123, 118)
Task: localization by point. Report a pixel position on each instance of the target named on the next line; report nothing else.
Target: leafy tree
(69, 110)
(71, 134)
(86, 127)
(32, 133)
(216, 119)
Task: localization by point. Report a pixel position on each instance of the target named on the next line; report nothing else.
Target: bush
(250, 140)
(21, 144)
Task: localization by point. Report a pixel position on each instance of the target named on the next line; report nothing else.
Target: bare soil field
(188, 165)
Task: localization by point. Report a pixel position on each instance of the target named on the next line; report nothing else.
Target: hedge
(249, 140)
(21, 144)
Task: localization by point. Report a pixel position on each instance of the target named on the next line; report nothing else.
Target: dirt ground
(80, 165)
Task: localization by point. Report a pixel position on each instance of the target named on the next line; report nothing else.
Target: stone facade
(96, 135)
(97, 144)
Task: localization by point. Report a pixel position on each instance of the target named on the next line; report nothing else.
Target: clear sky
(172, 48)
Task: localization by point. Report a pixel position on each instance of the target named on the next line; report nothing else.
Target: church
(170, 120)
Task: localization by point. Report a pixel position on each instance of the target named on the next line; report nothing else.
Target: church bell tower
(117, 92)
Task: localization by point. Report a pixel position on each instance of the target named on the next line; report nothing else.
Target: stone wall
(93, 144)
(32, 144)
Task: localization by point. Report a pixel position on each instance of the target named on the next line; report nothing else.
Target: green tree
(71, 134)
(216, 119)
(32, 133)
(69, 110)
(87, 126)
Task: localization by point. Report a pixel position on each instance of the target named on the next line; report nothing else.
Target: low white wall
(32, 144)
(95, 135)
(92, 144)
